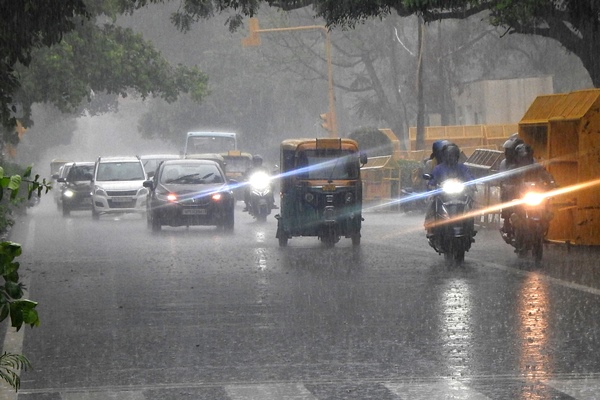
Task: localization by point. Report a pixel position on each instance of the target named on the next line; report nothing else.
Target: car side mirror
(427, 177)
(61, 180)
(363, 158)
(148, 184)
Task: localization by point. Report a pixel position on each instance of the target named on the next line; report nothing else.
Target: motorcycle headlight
(533, 198)
(69, 193)
(453, 186)
(260, 180)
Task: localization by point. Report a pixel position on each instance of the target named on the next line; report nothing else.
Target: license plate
(329, 188)
(195, 211)
(121, 199)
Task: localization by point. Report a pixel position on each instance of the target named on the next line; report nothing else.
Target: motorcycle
(260, 196)
(530, 220)
(452, 230)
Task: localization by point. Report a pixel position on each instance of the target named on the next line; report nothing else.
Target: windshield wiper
(182, 178)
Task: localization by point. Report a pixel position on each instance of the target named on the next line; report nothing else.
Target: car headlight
(260, 180)
(166, 196)
(217, 196)
(142, 192)
(100, 192)
(68, 193)
(453, 186)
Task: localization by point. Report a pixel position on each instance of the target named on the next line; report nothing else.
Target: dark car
(75, 189)
(189, 192)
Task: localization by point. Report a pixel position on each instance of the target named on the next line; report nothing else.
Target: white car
(118, 186)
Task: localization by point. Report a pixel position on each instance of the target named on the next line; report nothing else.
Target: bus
(209, 142)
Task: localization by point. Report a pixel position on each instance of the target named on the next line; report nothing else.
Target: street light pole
(254, 40)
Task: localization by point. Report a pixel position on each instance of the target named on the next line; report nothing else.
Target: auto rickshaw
(237, 163)
(321, 190)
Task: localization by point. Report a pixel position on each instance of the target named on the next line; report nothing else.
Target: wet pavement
(200, 314)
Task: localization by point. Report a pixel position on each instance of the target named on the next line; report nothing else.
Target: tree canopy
(63, 52)
(67, 35)
(573, 23)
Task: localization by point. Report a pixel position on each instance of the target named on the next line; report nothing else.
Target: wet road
(201, 314)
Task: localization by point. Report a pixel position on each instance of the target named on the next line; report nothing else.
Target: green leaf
(27, 172)
(15, 182)
(4, 311)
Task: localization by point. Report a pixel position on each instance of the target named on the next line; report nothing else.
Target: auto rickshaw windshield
(328, 164)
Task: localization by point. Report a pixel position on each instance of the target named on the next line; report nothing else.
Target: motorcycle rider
(507, 190)
(524, 169)
(436, 156)
(447, 169)
(257, 165)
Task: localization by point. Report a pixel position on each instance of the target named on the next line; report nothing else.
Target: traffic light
(326, 121)
(253, 38)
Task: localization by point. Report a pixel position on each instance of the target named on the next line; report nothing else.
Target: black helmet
(510, 146)
(436, 149)
(524, 153)
(451, 154)
(257, 160)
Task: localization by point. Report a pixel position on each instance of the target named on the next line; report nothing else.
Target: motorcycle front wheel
(537, 248)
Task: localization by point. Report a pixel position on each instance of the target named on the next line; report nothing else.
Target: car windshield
(80, 173)
(191, 174)
(120, 171)
(209, 144)
(321, 164)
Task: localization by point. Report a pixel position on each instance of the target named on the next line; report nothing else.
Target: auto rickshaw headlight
(309, 197)
(349, 197)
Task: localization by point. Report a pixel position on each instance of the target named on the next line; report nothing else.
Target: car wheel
(156, 223)
(95, 214)
(229, 221)
(149, 219)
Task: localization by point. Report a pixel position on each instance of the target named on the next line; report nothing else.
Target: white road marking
(580, 389)
(278, 391)
(542, 276)
(439, 390)
(132, 395)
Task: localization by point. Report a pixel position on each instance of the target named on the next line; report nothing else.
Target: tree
(573, 23)
(87, 56)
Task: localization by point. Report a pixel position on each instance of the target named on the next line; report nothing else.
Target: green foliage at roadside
(13, 305)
